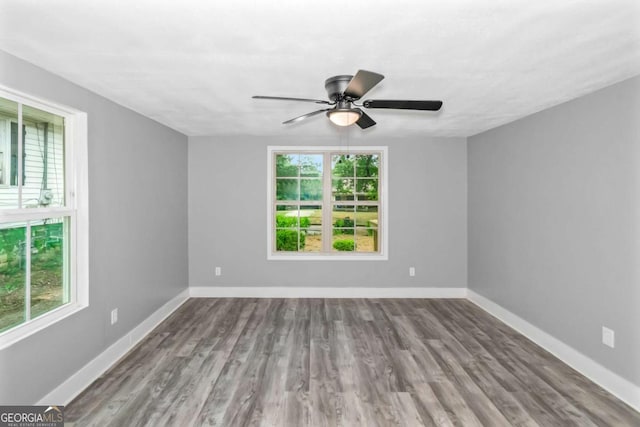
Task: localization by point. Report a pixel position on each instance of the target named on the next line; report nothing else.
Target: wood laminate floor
(341, 362)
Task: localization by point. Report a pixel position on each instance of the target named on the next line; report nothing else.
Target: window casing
(43, 214)
(327, 203)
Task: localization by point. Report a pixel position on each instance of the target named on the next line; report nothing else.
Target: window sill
(318, 257)
(12, 336)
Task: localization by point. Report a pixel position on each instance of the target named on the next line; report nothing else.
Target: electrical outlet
(218, 271)
(608, 337)
(114, 316)
(412, 271)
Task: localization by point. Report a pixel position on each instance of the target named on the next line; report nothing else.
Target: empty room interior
(320, 213)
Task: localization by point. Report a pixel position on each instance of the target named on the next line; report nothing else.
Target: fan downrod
(336, 86)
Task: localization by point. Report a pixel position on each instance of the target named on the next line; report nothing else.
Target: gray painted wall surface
(427, 216)
(138, 234)
(554, 213)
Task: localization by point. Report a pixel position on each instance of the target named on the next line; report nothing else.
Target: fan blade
(362, 83)
(403, 105)
(304, 116)
(365, 121)
(281, 98)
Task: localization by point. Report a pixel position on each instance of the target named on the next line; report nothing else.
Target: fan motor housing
(336, 86)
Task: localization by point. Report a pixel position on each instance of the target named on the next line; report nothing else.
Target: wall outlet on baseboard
(218, 271)
(114, 316)
(608, 337)
(412, 271)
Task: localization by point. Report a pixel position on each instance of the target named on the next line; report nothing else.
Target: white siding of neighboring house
(34, 164)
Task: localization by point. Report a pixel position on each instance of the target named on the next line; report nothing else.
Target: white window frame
(76, 208)
(383, 211)
(5, 162)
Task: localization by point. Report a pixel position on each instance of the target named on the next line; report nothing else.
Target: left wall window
(42, 259)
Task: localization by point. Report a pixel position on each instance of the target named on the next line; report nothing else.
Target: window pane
(12, 274)
(286, 216)
(367, 216)
(49, 286)
(343, 240)
(343, 218)
(43, 158)
(287, 189)
(311, 165)
(312, 215)
(342, 165)
(310, 189)
(366, 239)
(311, 226)
(287, 240)
(8, 154)
(286, 165)
(366, 165)
(290, 239)
(367, 189)
(367, 228)
(343, 189)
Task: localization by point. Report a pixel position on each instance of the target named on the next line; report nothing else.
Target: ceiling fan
(343, 93)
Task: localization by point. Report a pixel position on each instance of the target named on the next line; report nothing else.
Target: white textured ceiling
(194, 64)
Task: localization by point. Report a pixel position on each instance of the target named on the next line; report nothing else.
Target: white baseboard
(612, 382)
(68, 390)
(320, 292)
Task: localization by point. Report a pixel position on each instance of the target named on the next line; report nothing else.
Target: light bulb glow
(344, 117)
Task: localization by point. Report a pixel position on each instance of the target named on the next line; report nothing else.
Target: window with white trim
(327, 203)
(41, 154)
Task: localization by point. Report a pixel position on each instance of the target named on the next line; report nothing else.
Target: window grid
(359, 204)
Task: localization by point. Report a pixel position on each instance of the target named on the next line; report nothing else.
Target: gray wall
(138, 234)
(427, 216)
(554, 222)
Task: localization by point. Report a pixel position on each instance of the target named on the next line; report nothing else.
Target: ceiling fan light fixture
(344, 90)
(344, 116)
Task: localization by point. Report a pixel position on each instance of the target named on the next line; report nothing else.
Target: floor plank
(341, 362)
